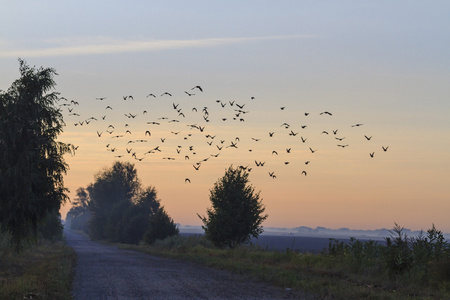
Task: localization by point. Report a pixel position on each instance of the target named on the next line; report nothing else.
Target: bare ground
(106, 272)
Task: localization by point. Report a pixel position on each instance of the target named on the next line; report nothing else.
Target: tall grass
(43, 271)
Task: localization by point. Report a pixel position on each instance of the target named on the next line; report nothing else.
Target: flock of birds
(143, 136)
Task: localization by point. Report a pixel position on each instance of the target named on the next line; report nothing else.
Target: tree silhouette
(79, 214)
(32, 164)
(236, 212)
(122, 211)
(111, 195)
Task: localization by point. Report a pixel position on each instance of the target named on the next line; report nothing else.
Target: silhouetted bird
(198, 87)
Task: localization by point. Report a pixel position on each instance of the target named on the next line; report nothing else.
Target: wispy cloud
(69, 47)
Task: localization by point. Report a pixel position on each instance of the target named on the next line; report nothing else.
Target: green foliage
(122, 211)
(160, 227)
(32, 164)
(111, 195)
(236, 212)
(51, 228)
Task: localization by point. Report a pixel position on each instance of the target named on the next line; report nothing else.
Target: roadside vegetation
(401, 268)
(34, 263)
(43, 271)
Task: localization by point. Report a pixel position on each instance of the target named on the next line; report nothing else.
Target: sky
(383, 64)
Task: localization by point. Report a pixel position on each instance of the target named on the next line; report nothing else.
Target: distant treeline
(117, 208)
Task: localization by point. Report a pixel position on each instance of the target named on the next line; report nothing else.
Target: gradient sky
(385, 64)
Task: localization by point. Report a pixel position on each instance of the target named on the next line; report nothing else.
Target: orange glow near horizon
(344, 187)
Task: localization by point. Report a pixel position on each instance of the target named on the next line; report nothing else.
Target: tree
(32, 164)
(123, 211)
(160, 227)
(111, 195)
(236, 212)
(79, 214)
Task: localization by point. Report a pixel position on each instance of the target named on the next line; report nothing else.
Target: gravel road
(106, 272)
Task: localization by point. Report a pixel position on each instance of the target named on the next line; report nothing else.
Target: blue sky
(381, 63)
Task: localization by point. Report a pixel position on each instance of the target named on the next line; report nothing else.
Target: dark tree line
(31, 159)
(117, 208)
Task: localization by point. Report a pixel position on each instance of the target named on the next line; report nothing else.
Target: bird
(271, 134)
(274, 152)
(327, 113)
(108, 107)
(343, 146)
(100, 98)
(384, 148)
(151, 95)
(304, 173)
(312, 151)
(189, 94)
(148, 132)
(99, 133)
(372, 154)
(303, 139)
(187, 180)
(196, 167)
(197, 87)
(166, 93)
(367, 137)
(357, 125)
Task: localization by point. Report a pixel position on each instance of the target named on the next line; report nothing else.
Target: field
(399, 268)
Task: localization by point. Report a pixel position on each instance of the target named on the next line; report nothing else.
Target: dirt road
(106, 272)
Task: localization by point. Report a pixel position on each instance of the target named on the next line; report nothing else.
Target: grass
(344, 275)
(43, 271)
